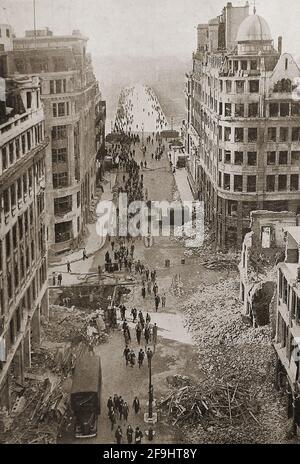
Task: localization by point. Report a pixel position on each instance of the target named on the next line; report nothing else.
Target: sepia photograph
(149, 225)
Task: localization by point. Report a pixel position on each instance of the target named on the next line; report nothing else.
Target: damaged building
(242, 131)
(23, 250)
(262, 249)
(287, 337)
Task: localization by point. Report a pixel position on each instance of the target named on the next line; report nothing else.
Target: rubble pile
(237, 365)
(222, 406)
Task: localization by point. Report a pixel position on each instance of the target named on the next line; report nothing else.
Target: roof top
(86, 375)
(254, 28)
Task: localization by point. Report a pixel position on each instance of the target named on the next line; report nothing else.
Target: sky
(144, 27)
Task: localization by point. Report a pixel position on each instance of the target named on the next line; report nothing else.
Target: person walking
(54, 279)
(149, 286)
(136, 405)
(148, 318)
(134, 314)
(126, 353)
(132, 358)
(110, 404)
(144, 291)
(147, 335)
(155, 289)
(138, 436)
(129, 434)
(119, 435)
(125, 411)
(112, 417)
(121, 403)
(157, 301)
(68, 267)
(116, 402)
(141, 357)
(163, 300)
(59, 279)
(149, 354)
(138, 330)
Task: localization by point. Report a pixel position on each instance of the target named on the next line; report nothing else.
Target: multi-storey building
(23, 251)
(242, 132)
(287, 338)
(74, 123)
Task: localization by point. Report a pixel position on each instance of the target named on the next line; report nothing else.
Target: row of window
(21, 145)
(250, 134)
(226, 109)
(250, 157)
(58, 86)
(273, 183)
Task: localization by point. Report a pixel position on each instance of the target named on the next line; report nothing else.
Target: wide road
(175, 353)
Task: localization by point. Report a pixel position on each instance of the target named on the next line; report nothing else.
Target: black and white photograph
(149, 225)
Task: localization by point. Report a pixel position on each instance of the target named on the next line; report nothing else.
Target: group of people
(118, 410)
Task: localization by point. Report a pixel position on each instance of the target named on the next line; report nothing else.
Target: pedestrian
(112, 417)
(125, 411)
(148, 318)
(121, 402)
(110, 404)
(141, 357)
(144, 292)
(154, 335)
(138, 436)
(84, 254)
(126, 353)
(53, 278)
(68, 267)
(132, 358)
(119, 435)
(116, 402)
(136, 405)
(157, 301)
(163, 300)
(134, 314)
(155, 289)
(59, 279)
(138, 330)
(147, 334)
(129, 434)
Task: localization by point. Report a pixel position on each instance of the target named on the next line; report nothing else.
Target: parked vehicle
(86, 395)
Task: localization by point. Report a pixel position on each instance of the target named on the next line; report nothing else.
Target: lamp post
(150, 417)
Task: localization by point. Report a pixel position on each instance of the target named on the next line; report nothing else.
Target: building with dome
(242, 130)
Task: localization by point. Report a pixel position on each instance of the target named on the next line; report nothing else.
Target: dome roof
(254, 28)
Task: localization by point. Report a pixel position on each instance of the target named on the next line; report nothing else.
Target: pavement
(175, 352)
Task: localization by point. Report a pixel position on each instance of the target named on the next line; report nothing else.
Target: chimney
(280, 45)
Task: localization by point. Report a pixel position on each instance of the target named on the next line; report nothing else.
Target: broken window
(251, 183)
(283, 134)
(282, 182)
(283, 157)
(266, 234)
(284, 109)
(295, 158)
(273, 108)
(63, 231)
(239, 110)
(228, 86)
(295, 134)
(270, 183)
(254, 86)
(238, 157)
(63, 205)
(253, 110)
(271, 158)
(227, 134)
(295, 110)
(60, 179)
(238, 183)
(252, 134)
(232, 208)
(238, 134)
(272, 134)
(240, 86)
(227, 109)
(294, 186)
(252, 158)
(226, 181)
(227, 157)
(244, 65)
